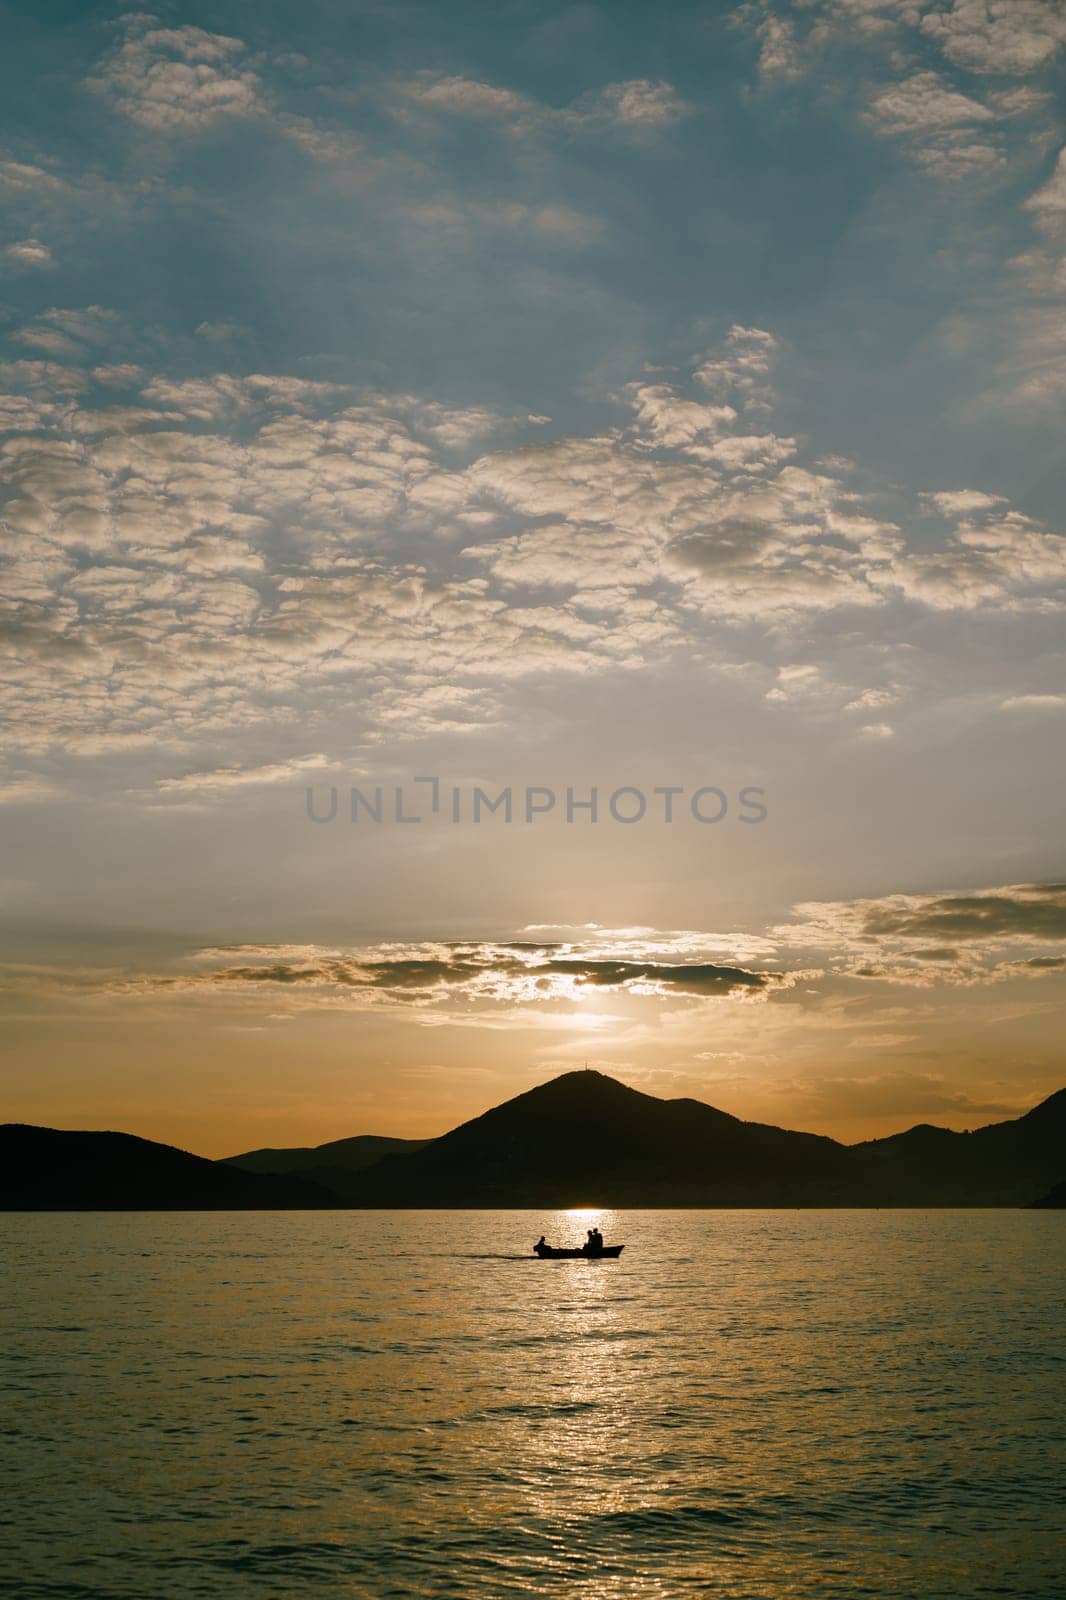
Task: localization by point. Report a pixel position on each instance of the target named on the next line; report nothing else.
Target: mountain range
(48, 1169)
(581, 1139)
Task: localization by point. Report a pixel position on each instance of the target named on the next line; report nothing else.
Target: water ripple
(749, 1406)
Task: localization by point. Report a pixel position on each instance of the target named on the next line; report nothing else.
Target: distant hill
(1004, 1164)
(45, 1169)
(1054, 1200)
(583, 1138)
(333, 1165)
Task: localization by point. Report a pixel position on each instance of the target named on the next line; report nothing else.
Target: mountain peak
(583, 1078)
(581, 1092)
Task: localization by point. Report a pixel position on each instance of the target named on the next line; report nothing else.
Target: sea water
(364, 1404)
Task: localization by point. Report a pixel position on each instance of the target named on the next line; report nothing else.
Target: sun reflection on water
(582, 1438)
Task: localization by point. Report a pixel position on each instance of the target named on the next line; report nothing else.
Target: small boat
(547, 1252)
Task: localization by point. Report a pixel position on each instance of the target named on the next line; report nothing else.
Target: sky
(419, 424)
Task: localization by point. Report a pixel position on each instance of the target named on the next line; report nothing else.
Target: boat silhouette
(548, 1252)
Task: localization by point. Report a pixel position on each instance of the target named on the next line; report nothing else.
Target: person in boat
(541, 1248)
(594, 1243)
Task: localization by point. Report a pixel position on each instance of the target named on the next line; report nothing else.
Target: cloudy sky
(544, 399)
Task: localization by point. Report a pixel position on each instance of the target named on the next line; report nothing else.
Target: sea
(757, 1405)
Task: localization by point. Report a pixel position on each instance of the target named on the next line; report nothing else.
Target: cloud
(223, 395)
(637, 105)
(70, 332)
(743, 371)
(121, 374)
(953, 133)
(940, 122)
(924, 103)
(457, 979)
(229, 778)
(553, 976)
(29, 253)
(1034, 702)
(730, 545)
(701, 979)
(42, 376)
(1031, 373)
(178, 79)
(20, 413)
(1049, 201)
(924, 941)
(119, 419)
(667, 419)
(872, 18)
(25, 178)
(928, 939)
(218, 544)
(792, 37)
(873, 700)
(1030, 911)
(981, 560)
(721, 514)
(643, 943)
(467, 97)
(1001, 37)
(959, 502)
(640, 103)
(19, 787)
(780, 55)
(187, 81)
(998, 36)
(1034, 967)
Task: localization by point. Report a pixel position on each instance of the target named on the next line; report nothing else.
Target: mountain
(347, 1155)
(582, 1139)
(333, 1165)
(45, 1169)
(585, 1138)
(1004, 1164)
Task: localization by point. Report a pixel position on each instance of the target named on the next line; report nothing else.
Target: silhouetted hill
(581, 1139)
(1054, 1200)
(45, 1169)
(339, 1155)
(1003, 1164)
(587, 1138)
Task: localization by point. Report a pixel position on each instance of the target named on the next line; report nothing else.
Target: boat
(606, 1252)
